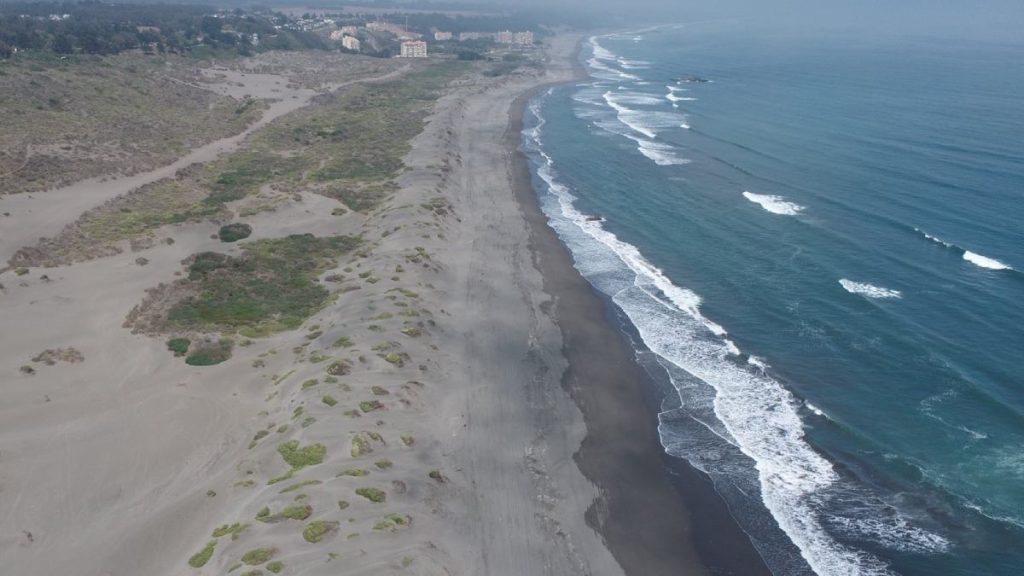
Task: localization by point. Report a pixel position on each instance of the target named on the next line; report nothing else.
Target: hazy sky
(996, 19)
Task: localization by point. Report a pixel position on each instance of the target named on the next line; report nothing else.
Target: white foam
(933, 238)
(628, 116)
(774, 204)
(869, 290)
(759, 414)
(661, 154)
(984, 261)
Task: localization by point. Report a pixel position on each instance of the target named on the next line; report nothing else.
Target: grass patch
(407, 439)
(344, 342)
(343, 504)
(356, 472)
(372, 494)
(370, 405)
(329, 400)
(298, 512)
(310, 383)
(298, 485)
(234, 232)
(199, 559)
(275, 567)
(233, 529)
(317, 530)
(383, 464)
(271, 287)
(179, 346)
(339, 368)
(210, 353)
(258, 556)
(300, 457)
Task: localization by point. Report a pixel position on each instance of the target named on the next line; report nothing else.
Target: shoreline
(657, 514)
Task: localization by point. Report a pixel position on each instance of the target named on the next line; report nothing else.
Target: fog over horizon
(995, 20)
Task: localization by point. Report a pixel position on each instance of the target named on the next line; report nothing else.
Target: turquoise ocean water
(819, 251)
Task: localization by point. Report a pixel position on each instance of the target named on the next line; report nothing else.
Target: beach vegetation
(339, 368)
(310, 383)
(179, 346)
(210, 353)
(263, 513)
(199, 559)
(258, 556)
(272, 287)
(275, 566)
(297, 512)
(329, 400)
(318, 529)
(343, 504)
(298, 485)
(372, 494)
(356, 472)
(383, 464)
(408, 439)
(379, 390)
(234, 232)
(234, 530)
(370, 405)
(344, 342)
(298, 457)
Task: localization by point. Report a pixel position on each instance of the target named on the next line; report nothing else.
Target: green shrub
(258, 556)
(372, 494)
(275, 567)
(209, 354)
(318, 529)
(199, 559)
(298, 512)
(234, 529)
(370, 405)
(179, 346)
(300, 457)
(297, 485)
(329, 400)
(234, 232)
(353, 472)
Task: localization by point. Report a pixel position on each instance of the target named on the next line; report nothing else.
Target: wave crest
(869, 290)
(774, 204)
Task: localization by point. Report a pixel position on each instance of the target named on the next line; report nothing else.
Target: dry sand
(124, 463)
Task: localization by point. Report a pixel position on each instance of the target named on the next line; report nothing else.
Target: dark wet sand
(657, 515)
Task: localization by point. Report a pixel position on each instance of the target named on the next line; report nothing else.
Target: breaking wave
(869, 290)
(774, 204)
(754, 412)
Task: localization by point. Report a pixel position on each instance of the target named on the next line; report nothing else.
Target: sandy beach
(461, 406)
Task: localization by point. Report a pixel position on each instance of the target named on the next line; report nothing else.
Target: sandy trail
(44, 214)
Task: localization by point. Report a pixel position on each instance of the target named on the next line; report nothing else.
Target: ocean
(816, 244)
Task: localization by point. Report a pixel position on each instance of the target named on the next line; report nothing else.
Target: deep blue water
(822, 248)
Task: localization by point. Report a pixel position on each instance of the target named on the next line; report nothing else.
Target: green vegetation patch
(300, 457)
(275, 567)
(233, 529)
(199, 559)
(258, 556)
(234, 232)
(210, 353)
(271, 287)
(298, 512)
(179, 346)
(372, 494)
(297, 485)
(317, 530)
